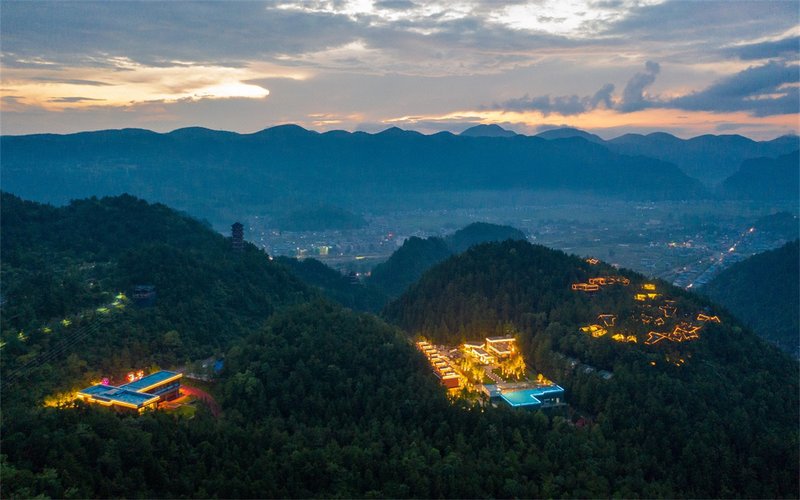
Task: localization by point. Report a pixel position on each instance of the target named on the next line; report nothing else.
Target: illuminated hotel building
(139, 395)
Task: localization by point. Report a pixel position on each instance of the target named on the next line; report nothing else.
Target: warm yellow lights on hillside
(594, 284)
(595, 331)
(653, 310)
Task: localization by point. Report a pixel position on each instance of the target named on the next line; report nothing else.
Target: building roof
(501, 347)
(500, 339)
(153, 380)
(480, 352)
(118, 395)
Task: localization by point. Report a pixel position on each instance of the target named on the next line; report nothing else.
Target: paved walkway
(489, 373)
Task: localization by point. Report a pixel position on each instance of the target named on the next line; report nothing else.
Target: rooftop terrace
(107, 394)
(154, 379)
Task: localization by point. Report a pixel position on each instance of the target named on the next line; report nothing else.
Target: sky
(606, 66)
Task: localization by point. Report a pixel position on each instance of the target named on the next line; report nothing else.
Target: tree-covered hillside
(70, 263)
(481, 232)
(336, 286)
(417, 255)
(667, 407)
(765, 179)
(408, 263)
(318, 401)
(764, 292)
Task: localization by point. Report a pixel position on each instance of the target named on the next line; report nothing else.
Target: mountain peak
(569, 132)
(289, 129)
(396, 132)
(491, 130)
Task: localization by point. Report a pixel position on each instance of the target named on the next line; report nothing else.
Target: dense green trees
(319, 401)
(730, 397)
(417, 255)
(764, 292)
(336, 286)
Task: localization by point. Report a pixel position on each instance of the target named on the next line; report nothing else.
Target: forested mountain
(492, 130)
(336, 286)
(318, 401)
(766, 178)
(408, 263)
(417, 255)
(568, 132)
(481, 232)
(710, 158)
(764, 292)
(665, 409)
(781, 225)
(57, 261)
(286, 166)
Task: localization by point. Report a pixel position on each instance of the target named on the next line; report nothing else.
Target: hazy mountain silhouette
(710, 158)
(286, 164)
(567, 132)
(766, 178)
(492, 130)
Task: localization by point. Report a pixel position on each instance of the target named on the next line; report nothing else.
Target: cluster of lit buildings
(138, 395)
(491, 350)
(594, 284)
(516, 395)
(658, 316)
(441, 366)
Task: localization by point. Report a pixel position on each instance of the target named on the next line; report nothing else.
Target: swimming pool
(525, 397)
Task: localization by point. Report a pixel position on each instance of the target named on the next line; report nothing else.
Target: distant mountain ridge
(288, 165)
(709, 158)
(569, 132)
(492, 130)
(765, 178)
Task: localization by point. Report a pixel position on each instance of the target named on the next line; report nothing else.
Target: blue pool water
(525, 397)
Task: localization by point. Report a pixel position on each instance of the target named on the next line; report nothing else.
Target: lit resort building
(441, 366)
(491, 350)
(585, 287)
(608, 319)
(594, 330)
(526, 394)
(594, 284)
(479, 353)
(140, 395)
(502, 347)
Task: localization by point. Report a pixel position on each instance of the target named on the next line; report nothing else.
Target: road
(205, 397)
